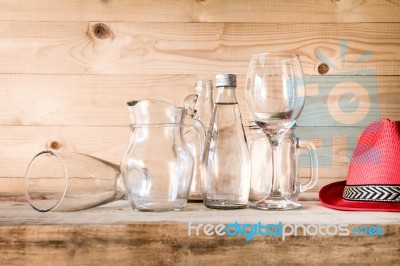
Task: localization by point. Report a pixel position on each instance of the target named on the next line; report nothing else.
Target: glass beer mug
(261, 166)
(157, 168)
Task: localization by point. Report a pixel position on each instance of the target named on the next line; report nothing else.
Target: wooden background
(67, 68)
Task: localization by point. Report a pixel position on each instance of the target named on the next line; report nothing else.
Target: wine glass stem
(275, 146)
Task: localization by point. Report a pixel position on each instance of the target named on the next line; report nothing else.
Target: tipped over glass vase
(67, 181)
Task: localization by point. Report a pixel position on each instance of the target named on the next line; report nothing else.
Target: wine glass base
(274, 204)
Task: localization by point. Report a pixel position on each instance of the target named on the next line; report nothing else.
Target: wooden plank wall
(68, 67)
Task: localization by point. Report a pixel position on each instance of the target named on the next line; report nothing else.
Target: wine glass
(275, 97)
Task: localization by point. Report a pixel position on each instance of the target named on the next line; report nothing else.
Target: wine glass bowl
(275, 97)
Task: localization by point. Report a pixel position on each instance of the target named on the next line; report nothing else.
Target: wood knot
(55, 145)
(101, 31)
(323, 69)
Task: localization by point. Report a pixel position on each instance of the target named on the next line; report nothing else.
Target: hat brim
(331, 196)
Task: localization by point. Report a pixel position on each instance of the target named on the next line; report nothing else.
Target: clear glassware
(275, 97)
(203, 109)
(202, 112)
(66, 181)
(190, 101)
(226, 160)
(261, 166)
(157, 168)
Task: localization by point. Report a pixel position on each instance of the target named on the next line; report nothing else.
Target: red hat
(373, 179)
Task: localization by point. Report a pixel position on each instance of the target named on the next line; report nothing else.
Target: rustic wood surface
(192, 48)
(120, 212)
(21, 143)
(168, 244)
(305, 11)
(100, 100)
(67, 69)
(117, 235)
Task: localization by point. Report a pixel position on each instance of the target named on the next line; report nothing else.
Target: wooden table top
(114, 234)
(120, 212)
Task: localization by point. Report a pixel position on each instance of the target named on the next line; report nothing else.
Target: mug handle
(304, 144)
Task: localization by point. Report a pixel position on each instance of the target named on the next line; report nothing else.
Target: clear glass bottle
(204, 103)
(202, 111)
(226, 160)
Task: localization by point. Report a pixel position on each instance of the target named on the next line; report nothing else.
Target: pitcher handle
(189, 103)
(304, 144)
(199, 127)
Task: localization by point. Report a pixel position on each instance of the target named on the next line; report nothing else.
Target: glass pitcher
(157, 168)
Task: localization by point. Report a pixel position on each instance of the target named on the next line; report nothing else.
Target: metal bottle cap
(225, 80)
